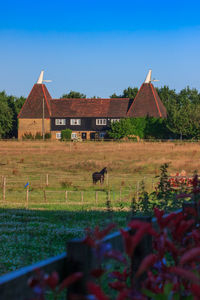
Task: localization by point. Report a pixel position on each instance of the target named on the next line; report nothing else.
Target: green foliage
(47, 135)
(9, 109)
(66, 134)
(143, 198)
(183, 110)
(6, 116)
(28, 136)
(121, 129)
(73, 94)
(146, 127)
(156, 128)
(38, 136)
(127, 93)
(139, 125)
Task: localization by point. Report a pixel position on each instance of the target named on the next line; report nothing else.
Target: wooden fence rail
(78, 258)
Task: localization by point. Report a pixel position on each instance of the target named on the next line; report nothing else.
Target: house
(85, 117)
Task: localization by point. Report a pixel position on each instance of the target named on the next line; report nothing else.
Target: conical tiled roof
(147, 102)
(33, 106)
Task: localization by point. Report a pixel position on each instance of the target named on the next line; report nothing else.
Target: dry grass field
(23, 160)
(29, 234)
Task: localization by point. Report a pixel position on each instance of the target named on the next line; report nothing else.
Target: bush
(28, 136)
(47, 135)
(38, 136)
(66, 134)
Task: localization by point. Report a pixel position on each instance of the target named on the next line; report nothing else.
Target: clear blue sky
(98, 47)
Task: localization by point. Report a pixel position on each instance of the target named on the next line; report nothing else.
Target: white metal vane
(40, 78)
(148, 78)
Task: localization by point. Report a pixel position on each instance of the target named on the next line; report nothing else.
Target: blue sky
(98, 47)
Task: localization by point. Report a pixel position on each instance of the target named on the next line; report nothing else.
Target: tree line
(183, 111)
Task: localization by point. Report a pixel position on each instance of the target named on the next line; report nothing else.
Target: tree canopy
(127, 93)
(73, 94)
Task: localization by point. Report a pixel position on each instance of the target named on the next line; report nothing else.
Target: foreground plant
(172, 270)
(41, 283)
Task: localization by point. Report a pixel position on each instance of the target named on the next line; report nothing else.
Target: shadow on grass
(28, 236)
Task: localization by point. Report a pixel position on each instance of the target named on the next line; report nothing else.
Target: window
(101, 121)
(58, 135)
(75, 121)
(115, 120)
(74, 135)
(102, 134)
(60, 122)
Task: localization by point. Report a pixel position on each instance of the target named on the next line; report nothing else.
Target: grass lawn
(28, 236)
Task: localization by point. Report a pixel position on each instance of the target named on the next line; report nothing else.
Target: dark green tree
(73, 94)
(121, 129)
(6, 117)
(127, 93)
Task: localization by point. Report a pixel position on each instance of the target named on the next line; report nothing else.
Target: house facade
(87, 118)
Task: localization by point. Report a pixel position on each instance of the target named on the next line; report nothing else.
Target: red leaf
(146, 263)
(95, 290)
(190, 211)
(127, 241)
(117, 255)
(52, 280)
(70, 280)
(117, 285)
(170, 247)
(97, 272)
(123, 295)
(185, 274)
(195, 290)
(190, 256)
(159, 214)
(131, 241)
(89, 241)
(136, 224)
(32, 282)
(101, 234)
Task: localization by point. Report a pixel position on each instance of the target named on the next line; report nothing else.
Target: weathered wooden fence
(79, 257)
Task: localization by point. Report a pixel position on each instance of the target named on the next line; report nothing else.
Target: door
(84, 135)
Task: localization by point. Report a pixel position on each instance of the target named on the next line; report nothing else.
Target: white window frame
(115, 120)
(73, 135)
(60, 121)
(75, 122)
(58, 135)
(101, 122)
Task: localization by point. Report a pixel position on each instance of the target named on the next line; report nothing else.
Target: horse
(99, 176)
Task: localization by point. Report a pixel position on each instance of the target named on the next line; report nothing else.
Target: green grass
(28, 236)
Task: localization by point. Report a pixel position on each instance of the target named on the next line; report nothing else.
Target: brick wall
(32, 126)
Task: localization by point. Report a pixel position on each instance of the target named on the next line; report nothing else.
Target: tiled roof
(89, 107)
(147, 102)
(32, 107)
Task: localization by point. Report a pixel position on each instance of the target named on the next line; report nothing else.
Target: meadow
(39, 228)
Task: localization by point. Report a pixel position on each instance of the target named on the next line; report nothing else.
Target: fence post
(82, 197)
(137, 190)
(80, 259)
(120, 194)
(45, 197)
(96, 197)
(66, 194)
(143, 249)
(107, 179)
(47, 179)
(4, 188)
(27, 196)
